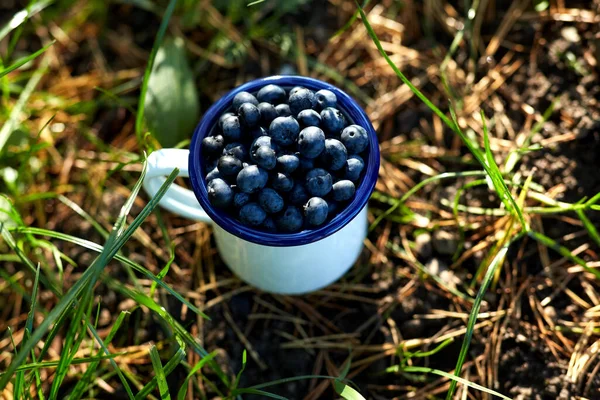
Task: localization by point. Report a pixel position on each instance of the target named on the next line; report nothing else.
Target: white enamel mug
(274, 262)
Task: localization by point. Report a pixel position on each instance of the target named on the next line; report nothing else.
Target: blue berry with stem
(343, 190)
(326, 98)
(252, 214)
(318, 182)
(289, 220)
(243, 97)
(311, 142)
(271, 94)
(284, 130)
(220, 193)
(270, 200)
(249, 115)
(355, 138)
(315, 211)
(251, 179)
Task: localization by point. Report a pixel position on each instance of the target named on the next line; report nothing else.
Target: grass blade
(346, 391)
(454, 378)
(24, 60)
(487, 279)
(163, 387)
(23, 15)
(144, 89)
(183, 390)
(592, 231)
(168, 368)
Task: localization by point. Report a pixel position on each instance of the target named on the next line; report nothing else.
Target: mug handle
(178, 200)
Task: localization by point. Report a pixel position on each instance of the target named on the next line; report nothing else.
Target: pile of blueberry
(284, 162)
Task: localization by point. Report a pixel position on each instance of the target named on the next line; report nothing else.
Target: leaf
(172, 106)
(346, 391)
(22, 61)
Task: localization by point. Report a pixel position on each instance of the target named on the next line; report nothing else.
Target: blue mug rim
(363, 192)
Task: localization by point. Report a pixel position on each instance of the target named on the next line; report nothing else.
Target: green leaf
(23, 15)
(541, 5)
(346, 391)
(183, 390)
(172, 106)
(159, 372)
(22, 61)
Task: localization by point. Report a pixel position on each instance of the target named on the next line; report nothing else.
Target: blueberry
(302, 99)
(212, 145)
(267, 113)
(258, 132)
(283, 110)
(270, 200)
(268, 225)
(249, 115)
(311, 142)
(243, 97)
(284, 130)
(240, 199)
(296, 89)
(332, 120)
(306, 164)
(282, 182)
(252, 214)
(213, 174)
(315, 211)
(271, 94)
(318, 182)
(298, 195)
(237, 150)
(232, 131)
(289, 220)
(354, 167)
(223, 117)
(263, 141)
(309, 118)
(288, 162)
(335, 155)
(251, 179)
(264, 157)
(343, 190)
(229, 166)
(326, 98)
(355, 138)
(219, 193)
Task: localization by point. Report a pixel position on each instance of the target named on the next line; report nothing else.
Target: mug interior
(363, 191)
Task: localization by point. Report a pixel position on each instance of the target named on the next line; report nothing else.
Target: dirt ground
(537, 332)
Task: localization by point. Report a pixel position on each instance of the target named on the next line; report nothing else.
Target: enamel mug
(274, 262)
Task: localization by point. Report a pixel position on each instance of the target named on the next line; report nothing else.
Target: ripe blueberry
(309, 118)
(302, 99)
(240, 199)
(343, 190)
(219, 193)
(283, 110)
(306, 164)
(270, 200)
(284, 130)
(311, 142)
(249, 115)
(251, 179)
(332, 120)
(296, 89)
(318, 182)
(271, 94)
(264, 157)
(252, 214)
(237, 150)
(243, 97)
(326, 98)
(298, 195)
(354, 167)
(334, 156)
(288, 162)
(232, 131)
(355, 138)
(282, 182)
(229, 166)
(267, 113)
(212, 145)
(223, 117)
(262, 141)
(289, 220)
(258, 132)
(315, 211)
(213, 174)
(268, 225)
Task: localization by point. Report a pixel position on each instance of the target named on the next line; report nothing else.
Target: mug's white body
(284, 270)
